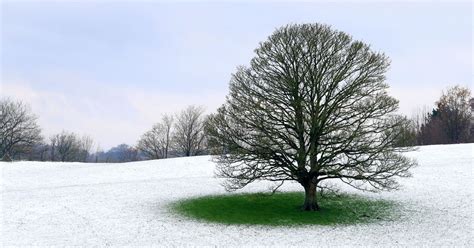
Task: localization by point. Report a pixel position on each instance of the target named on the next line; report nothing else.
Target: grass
(284, 209)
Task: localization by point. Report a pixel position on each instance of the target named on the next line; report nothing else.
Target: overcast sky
(111, 69)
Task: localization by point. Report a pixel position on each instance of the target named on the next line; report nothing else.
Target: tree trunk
(310, 200)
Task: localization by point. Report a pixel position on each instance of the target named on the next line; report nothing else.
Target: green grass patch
(284, 209)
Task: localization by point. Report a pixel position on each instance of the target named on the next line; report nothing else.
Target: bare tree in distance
(19, 131)
(419, 116)
(39, 152)
(98, 151)
(167, 126)
(122, 153)
(129, 155)
(188, 135)
(312, 106)
(85, 146)
(65, 147)
(53, 141)
(419, 119)
(155, 144)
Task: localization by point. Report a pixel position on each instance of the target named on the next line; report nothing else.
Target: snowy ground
(126, 204)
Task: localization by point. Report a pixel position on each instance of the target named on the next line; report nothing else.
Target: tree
(65, 146)
(99, 154)
(419, 119)
(311, 106)
(471, 124)
(188, 136)
(129, 155)
(121, 153)
(39, 152)
(155, 143)
(85, 146)
(70, 147)
(455, 113)
(450, 121)
(18, 128)
(431, 132)
(407, 132)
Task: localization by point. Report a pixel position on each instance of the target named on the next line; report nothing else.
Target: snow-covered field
(126, 204)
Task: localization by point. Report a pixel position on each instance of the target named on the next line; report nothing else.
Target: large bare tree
(312, 106)
(155, 144)
(188, 135)
(19, 131)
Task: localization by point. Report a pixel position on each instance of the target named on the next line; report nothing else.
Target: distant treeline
(449, 122)
(177, 135)
(184, 133)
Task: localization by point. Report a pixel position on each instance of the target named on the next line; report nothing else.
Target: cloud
(131, 63)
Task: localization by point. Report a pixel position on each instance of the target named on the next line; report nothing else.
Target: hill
(45, 203)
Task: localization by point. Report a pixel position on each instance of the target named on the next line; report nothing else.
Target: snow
(45, 203)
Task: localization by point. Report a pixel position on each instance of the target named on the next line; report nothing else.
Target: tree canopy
(450, 121)
(18, 128)
(312, 106)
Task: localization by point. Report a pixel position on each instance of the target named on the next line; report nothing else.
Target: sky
(110, 69)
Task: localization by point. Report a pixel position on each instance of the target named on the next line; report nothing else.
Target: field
(46, 203)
